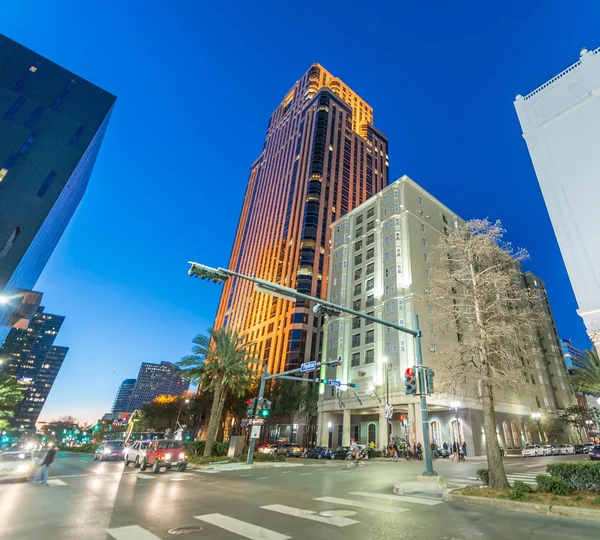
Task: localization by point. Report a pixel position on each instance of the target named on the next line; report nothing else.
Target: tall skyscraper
(154, 380)
(322, 157)
(380, 265)
(561, 126)
(29, 355)
(123, 397)
(52, 123)
(574, 356)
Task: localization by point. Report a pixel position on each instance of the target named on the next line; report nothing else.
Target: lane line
(305, 474)
(287, 472)
(245, 475)
(241, 528)
(147, 476)
(56, 482)
(397, 498)
(310, 515)
(263, 477)
(362, 504)
(212, 483)
(132, 532)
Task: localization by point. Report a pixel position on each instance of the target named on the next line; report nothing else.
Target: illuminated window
(370, 356)
(3, 173)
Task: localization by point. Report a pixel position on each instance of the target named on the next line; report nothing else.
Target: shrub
(484, 476)
(280, 457)
(85, 449)
(552, 484)
(196, 448)
(515, 495)
(597, 500)
(579, 476)
(264, 457)
(522, 487)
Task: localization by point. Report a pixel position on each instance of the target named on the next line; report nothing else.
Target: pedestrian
(464, 448)
(445, 446)
(432, 446)
(454, 451)
(41, 476)
(395, 450)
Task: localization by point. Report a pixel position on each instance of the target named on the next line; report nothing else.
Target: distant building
(52, 123)
(123, 397)
(154, 380)
(30, 356)
(379, 264)
(574, 356)
(560, 121)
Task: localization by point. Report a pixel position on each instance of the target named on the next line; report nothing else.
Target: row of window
(369, 358)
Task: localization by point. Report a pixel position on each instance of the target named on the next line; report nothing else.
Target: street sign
(389, 411)
(258, 422)
(333, 383)
(255, 433)
(308, 366)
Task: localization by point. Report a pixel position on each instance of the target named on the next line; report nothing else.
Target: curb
(527, 507)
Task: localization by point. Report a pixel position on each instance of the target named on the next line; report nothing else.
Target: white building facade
(560, 121)
(379, 265)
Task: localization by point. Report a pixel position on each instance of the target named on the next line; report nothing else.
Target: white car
(16, 465)
(532, 450)
(270, 449)
(135, 453)
(566, 449)
(551, 450)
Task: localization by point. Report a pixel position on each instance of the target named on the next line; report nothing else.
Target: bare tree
(479, 301)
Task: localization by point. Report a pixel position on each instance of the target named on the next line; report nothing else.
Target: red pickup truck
(164, 453)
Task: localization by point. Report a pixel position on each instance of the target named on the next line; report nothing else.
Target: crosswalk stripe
(56, 482)
(147, 476)
(241, 528)
(310, 515)
(396, 498)
(205, 471)
(362, 504)
(132, 532)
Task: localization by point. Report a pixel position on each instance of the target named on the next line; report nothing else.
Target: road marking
(208, 472)
(403, 498)
(132, 532)
(241, 528)
(212, 483)
(305, 474)
(147, 476)
(84, 460)
(245, 475)
(310, 515)
(287, 472)
(362, 504)
(263, 477)
(56, 482)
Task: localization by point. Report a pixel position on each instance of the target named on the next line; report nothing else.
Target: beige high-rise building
(379, 261)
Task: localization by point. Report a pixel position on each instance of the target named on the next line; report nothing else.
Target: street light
(3, 299)
(179, 413)
(537, 416)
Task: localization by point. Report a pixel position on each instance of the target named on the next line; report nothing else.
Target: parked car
(342, 452)
(314, 452)
(551, 450)
(566, 449)
(588, 447)
(290, 450)
(269, 449)
(108, 450)
(579, 448)
(326, 453)
(135, 453)
(595, 453)
(164, 453)
(532, 450)
(15, 464)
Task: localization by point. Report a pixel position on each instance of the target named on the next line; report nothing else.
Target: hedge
(579, 476)
(85, 449)
(552, 484)
(196, 448)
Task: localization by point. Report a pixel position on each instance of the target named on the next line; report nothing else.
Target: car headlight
(23, 468)
(182, 456)
(167, 456)
(106, 451)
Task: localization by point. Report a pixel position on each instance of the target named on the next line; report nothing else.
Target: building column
(319, 428)
(382, 432)
(324, 429)
(346, 424)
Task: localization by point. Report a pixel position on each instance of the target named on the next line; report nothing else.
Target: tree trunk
(497, 476)
(213, 424)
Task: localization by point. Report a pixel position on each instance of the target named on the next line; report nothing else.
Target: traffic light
(265, 408)
(429, 378)
(352, 385)
(410, 382)
(251, 407)
(96, 427)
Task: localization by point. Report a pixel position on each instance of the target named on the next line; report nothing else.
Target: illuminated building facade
(155, 380)
(52, 123)
(321, 158)
(29, 355)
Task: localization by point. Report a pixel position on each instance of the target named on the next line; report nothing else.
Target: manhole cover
(337, 513)
(185, 530)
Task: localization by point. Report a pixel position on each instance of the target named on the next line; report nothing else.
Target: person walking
(419, 452)
(395, 450)
(464, 449)
(454, 451)
(41, 476)
(433, 450)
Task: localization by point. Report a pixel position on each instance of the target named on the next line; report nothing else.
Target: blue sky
(196, 83)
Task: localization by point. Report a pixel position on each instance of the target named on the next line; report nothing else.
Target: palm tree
(587, 378)
(10, 396)
(219, 363)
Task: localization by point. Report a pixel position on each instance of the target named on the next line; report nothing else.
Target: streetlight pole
(222, 274)
(179, 413)
(387, 394)
(537, 416)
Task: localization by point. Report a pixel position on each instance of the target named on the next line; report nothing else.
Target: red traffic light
(410, 372)
(249, 402)
(401, 418)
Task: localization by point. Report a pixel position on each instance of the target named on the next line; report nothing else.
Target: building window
(27, 144)
(35, 115)
(427, 273)
(421, 213)
(14, 108)
(78, 132)
(358, 232)
(358, 259)
(63, 94)
(358, 245)
(370, 253)
(508, 440)
(370, 301)
(515, 435)
(423, 227)
(357, 289)
(420, 200)
(444, 219)
(355, 359)
(371, 212)
(47, 183)
(359, 220)
(370, 268)
(424, 241)
(372, 433)
(370, 239)
(425, 257)
(356, 340)
(387, 272)
(436, 433)
(402, 345)
(358, 273)
(370, 284)
(399, 268)
(370, 337)
(369, 322)
(356, 305)
(355, 322)
(370, 226)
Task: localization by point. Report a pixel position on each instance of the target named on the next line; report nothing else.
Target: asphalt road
(316, 500)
